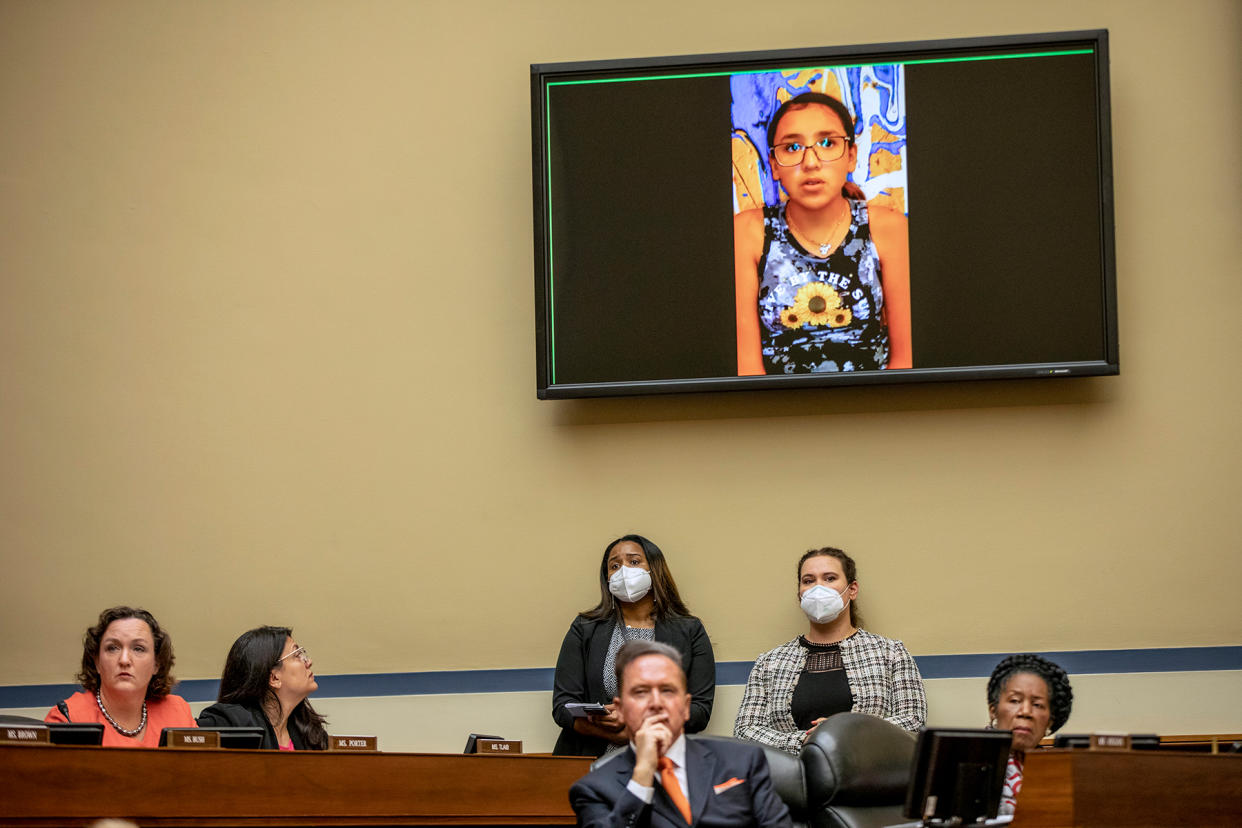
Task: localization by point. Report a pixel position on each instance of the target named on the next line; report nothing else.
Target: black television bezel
(903, 51)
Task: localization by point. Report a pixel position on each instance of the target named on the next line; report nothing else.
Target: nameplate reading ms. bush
(191, 738)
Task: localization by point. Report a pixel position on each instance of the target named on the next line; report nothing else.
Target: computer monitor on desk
(957, 775)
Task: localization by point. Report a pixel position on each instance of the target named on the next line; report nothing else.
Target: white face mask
(629, 583)
(822, 604)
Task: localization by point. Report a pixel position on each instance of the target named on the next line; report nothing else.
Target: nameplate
(499, 747)
(33, 734)
(1119, 741)
(353, 743)
(191, 738)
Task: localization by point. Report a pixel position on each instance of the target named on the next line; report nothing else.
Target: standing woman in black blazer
(638, 601)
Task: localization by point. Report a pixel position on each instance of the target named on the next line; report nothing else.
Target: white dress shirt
(676, 752)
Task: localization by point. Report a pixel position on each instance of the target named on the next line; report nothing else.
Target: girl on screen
(822, 280)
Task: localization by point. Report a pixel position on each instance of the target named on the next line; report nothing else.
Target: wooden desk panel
(1118, 789)
(66, 785)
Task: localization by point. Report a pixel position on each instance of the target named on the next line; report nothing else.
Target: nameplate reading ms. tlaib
(33, 734)
(191, 738)
(498, 747)
(353, 743)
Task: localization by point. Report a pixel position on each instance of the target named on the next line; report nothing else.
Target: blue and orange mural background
(875, 96)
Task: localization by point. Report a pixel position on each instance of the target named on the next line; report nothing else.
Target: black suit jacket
(729, 786)
(223, 714)
(580, 675)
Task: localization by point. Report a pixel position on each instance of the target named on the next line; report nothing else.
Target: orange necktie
(673, 788)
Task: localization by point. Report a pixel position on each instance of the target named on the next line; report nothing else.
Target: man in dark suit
(663, 780)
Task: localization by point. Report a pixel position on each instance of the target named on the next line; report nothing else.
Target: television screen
(862, 214)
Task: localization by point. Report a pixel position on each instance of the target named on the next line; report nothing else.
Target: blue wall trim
(539, 679)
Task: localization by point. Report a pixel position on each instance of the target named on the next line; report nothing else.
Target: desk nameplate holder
(354, 743)
(1118, 741)
(498, 747)
(31, 734)
(191, 738)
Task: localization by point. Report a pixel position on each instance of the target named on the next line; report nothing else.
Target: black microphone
(64, 710)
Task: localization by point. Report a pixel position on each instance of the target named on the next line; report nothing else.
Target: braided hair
(1060, 695)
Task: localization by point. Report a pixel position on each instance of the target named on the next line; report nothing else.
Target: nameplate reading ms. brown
(34, 734)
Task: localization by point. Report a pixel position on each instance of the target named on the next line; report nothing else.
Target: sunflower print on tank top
(821, 314)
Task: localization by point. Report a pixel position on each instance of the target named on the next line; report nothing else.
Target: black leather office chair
(857, 769)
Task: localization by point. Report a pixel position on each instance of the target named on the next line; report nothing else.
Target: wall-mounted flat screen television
(845, 215)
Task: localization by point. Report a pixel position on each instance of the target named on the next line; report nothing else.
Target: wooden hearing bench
(46, 785)
(1122, 788)
(59, 785)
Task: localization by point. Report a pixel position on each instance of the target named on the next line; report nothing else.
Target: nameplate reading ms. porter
(353, 743)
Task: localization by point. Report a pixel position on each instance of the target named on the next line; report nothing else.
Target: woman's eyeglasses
(828, 148)
(301, 652)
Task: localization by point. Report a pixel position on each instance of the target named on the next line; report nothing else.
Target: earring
(992, 723)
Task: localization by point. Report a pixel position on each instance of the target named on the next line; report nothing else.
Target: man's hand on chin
(651, 740)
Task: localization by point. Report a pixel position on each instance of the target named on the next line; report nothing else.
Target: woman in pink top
(126, 676)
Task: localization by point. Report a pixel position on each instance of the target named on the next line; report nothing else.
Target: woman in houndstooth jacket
(834, 667)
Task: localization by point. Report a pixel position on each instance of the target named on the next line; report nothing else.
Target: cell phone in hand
(581, 710)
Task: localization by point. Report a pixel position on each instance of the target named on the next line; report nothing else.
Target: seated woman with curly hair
(1030, 696)
(126, 677)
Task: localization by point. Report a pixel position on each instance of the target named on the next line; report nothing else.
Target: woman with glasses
(267, 679)
(126, 677)
(822, 280)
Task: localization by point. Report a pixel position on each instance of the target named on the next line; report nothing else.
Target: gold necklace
(825, 247)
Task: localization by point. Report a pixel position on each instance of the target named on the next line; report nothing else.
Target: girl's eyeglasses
(828, 148)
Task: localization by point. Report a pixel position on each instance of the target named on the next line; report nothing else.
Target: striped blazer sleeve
(764, 715)
(885, 680)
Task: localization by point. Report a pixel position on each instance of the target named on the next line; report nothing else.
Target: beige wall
(236, 385)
